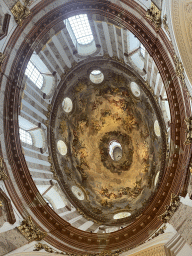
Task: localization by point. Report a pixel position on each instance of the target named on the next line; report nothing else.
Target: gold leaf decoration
(30, 231)
(166, 27)
(3, 175)
(188, 122)
(40, 246)
(154, 15)
(20, 12)
(170, 209)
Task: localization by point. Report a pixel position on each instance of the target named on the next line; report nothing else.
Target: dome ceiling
(99, 178)
(106, 137)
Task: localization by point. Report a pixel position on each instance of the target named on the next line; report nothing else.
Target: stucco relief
(182, 25)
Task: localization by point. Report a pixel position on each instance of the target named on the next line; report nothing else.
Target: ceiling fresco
(104, 183)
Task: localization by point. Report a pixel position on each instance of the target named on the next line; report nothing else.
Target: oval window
(157, 128)
(78, 192)
(62, 148)
(121, 215)
(135, 89)
(96, 77)
(67, 105)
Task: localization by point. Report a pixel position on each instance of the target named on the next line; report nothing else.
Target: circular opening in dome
(78, 192)
(135, 89)
(96, 76)
(62, 148)
(115, 150)
(157, 128)
(121, 215)
(96, 72)
(67, 105)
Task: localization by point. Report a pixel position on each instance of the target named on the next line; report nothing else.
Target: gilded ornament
(40, 246)
(20, 12)
(3, 175)
(159, 232)
(170, 209)
(30, 231)
(180, 72)
(1, 203)
(154, 15)
(165, 25)
(188, 122)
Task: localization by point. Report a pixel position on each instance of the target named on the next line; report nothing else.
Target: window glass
(25, 136)
(33, 73)
(142, 50)
(81, 28)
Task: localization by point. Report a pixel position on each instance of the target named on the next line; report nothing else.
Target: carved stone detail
(170, 209)
(3, 175)
(30, 231)
(154, 15)
(20, 12)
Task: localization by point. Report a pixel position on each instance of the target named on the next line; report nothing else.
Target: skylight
(81, 28)
(33, 73)
(25, 136)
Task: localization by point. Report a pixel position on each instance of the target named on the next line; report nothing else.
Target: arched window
(33, 73)
(25, 136)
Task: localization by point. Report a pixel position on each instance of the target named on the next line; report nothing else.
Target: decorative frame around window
(34, 75)
(25, 136)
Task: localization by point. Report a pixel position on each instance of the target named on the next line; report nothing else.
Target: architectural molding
(7, 202)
